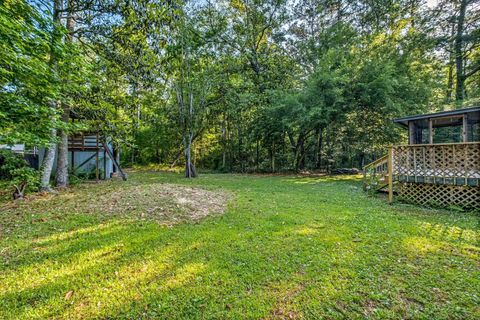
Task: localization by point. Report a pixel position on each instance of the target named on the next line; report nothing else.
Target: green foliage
(27, 176)
(26, 81)
(265, 85)
(87, 175)
(9, 162)
(15, 170)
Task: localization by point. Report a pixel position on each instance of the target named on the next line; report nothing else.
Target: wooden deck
(433, 174)
(452, 164)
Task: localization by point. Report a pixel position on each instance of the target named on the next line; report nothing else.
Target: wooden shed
(91, 152)
(439, 166)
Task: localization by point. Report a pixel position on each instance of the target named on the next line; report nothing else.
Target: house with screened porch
(440, 165)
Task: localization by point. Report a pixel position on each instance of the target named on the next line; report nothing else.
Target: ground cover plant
(284, 247)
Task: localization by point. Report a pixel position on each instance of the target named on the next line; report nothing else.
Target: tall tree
(455, 25)
(61, 177)
(50, 150)
(461, 53)
(193, 82)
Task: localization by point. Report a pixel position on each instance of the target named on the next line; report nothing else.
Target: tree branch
(472, 71)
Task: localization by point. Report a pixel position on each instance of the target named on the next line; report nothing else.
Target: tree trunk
(294, 148)
(298, 153)
(224, 159)
(272, 157)
(62, 160)
(19, 192)
(451, 62)
(301, 160)
(458, 46)
(450, 83)
(257, 156)
(177, 157)
(240, 149)
(318, 148)
(224, 141)
(49, 156)
(47, 162)
(190, 171)
(362, 160)
(61, 177)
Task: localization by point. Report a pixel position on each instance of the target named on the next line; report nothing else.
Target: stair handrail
(375, 165)
(380, 161)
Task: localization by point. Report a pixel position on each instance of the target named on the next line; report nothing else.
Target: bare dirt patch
(166, 203)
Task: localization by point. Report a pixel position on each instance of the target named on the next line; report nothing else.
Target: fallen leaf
(69, 294)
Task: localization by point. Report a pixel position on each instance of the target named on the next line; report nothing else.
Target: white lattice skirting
(439, 195)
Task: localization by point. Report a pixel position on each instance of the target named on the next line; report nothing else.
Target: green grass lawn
(285, 248)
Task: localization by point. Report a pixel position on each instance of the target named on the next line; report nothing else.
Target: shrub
(10, 161)
(19, 175)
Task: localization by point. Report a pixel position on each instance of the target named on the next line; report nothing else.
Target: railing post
(390, 174)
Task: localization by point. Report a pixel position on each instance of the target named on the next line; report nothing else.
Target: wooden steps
(375, 175)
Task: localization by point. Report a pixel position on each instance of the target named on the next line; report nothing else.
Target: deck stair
(375, 175)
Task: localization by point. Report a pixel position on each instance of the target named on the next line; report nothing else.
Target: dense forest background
(232, 85)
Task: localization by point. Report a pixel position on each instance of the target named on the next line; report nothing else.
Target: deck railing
(454, 163)
(90, 141)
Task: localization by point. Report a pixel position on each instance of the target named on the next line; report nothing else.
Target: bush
(17, 172)
(22, 178)
(89, 175)
(10, 161)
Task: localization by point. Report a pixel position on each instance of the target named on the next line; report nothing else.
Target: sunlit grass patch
(446, 232)
(306, 179)
(422, 246)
